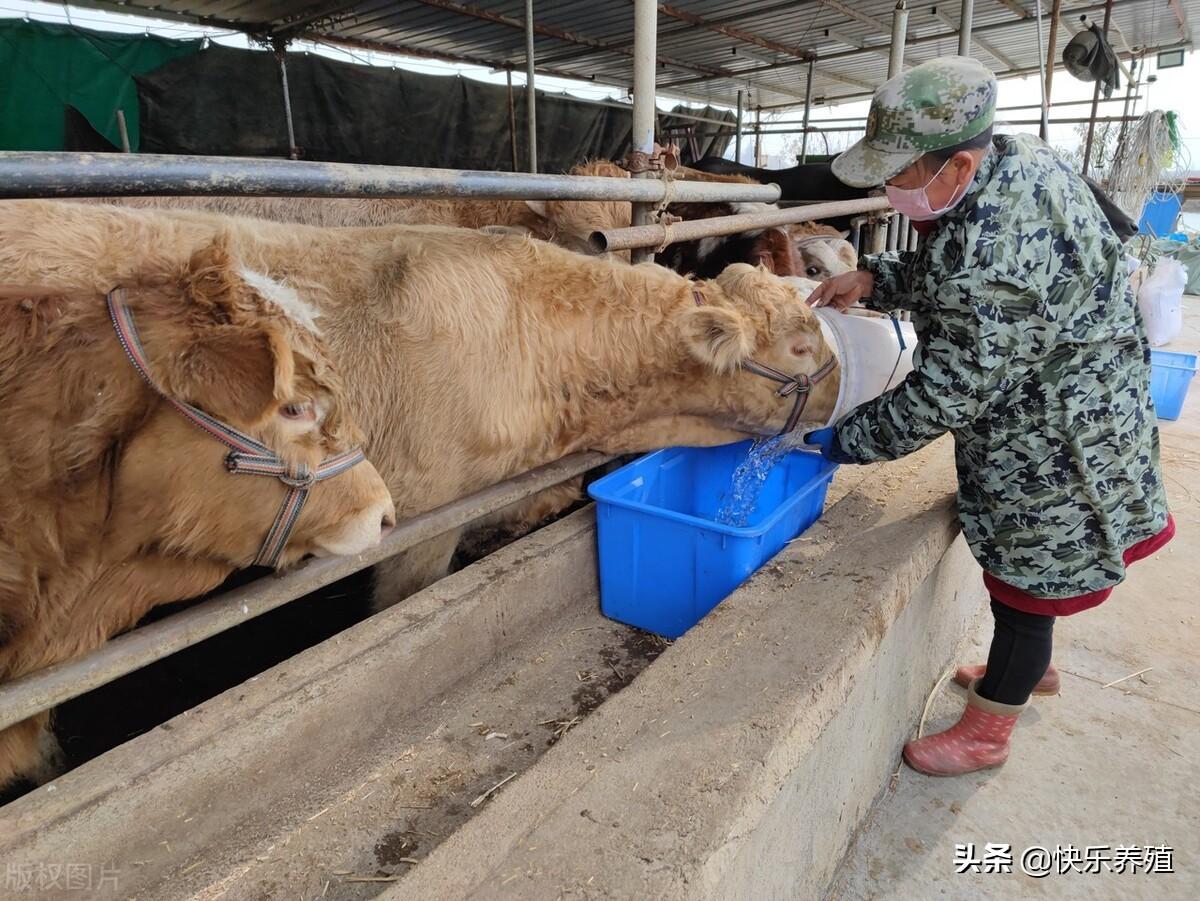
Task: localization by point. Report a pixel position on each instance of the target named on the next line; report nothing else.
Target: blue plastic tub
(1170, 375)
(1159, 214)
(664, 561)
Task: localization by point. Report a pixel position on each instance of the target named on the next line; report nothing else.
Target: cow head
(749, 315)
(821, 256)
(116, 502)
(246, 350)
(570, 223)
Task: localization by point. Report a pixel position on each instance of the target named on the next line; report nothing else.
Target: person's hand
(843, 291)
(826, 441)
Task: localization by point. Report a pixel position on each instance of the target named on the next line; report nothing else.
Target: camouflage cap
(934, 105)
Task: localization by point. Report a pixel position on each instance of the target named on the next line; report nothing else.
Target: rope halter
(798, 385)
(246, 456)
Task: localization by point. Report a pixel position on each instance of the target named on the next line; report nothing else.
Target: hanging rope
(1150, 159)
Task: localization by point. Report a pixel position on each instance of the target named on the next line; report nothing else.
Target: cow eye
(303, 411)
(812, 271)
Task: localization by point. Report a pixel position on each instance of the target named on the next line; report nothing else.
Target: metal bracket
(660, 159)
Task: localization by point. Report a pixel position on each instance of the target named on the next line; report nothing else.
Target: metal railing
(63, 175)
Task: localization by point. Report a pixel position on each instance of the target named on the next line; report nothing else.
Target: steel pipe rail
(41, 690)
(61, 174)
(660, 235)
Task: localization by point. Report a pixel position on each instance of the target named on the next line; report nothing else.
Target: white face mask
(914, 202)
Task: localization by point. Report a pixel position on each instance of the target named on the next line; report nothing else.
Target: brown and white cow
(469, 357)
(114, 501)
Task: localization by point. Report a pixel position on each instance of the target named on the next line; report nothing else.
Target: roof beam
(559, 34)
(857, 16)
(911, 42)
(859, 44)
(990, 48)
(1021, 11)
(1006, 73)
(737, 34)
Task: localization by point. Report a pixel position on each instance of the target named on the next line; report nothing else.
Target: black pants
(1019, 655)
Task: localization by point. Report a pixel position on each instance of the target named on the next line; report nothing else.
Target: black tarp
(230, 102)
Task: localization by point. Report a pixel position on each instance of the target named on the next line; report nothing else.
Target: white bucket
(1160, 297)
(871, 355)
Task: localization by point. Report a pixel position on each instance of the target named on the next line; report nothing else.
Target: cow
(469, 357)
(118, 496)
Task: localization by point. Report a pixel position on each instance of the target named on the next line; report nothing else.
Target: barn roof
(708, 49)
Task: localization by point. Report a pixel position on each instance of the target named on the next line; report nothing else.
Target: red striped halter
(798, 385)
(246, 456)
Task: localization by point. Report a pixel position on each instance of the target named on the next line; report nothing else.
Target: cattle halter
(246, 456)
(798, 385)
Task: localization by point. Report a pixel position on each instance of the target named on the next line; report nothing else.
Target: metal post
(123, 131)
(807, 110)
(758, 136)
(281, 55)
(1044, 129)
(530, 91)
(965, 20)
(645, 53)
(512, 122)
(899, 31)
(1134, 71)
(737, 141)
(1051, 41)
(1091, 132)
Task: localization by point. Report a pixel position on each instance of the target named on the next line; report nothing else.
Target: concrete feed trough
(494, 736)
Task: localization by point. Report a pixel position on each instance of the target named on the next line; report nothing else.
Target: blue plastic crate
(1170, 375)
(664, 560)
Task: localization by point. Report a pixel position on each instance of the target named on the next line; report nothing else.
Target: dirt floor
(1109, 764)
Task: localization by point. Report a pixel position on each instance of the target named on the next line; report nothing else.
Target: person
(1032, 355)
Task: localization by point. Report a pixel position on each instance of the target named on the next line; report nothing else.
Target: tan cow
(114, 501)
(470, 357)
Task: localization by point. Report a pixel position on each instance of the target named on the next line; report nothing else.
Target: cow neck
(617, 361)
(637, 370)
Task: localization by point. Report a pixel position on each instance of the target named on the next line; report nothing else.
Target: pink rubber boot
(1049, 684)
(978, 741)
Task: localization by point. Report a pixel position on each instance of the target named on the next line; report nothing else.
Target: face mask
(914, 202)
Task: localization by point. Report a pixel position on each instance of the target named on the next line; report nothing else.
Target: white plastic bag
(1161, 300)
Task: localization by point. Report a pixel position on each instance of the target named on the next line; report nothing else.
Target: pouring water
(751, 475)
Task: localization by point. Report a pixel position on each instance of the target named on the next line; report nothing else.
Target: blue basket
(1170, 375)
(664, 561)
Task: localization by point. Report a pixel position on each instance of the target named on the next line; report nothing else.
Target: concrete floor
(1095, 766)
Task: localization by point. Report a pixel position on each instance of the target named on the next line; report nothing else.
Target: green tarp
(49, 68)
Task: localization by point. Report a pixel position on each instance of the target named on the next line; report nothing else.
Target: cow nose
(388, 522)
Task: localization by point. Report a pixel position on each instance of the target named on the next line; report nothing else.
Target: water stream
(751, 474)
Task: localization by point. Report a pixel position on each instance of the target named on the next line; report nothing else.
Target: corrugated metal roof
(708, 49)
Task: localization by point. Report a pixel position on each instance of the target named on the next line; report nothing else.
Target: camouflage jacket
(1033, 355)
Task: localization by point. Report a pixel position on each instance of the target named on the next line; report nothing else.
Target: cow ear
(538, 207)
(718, 337)
(234, 359)
(775, 250)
